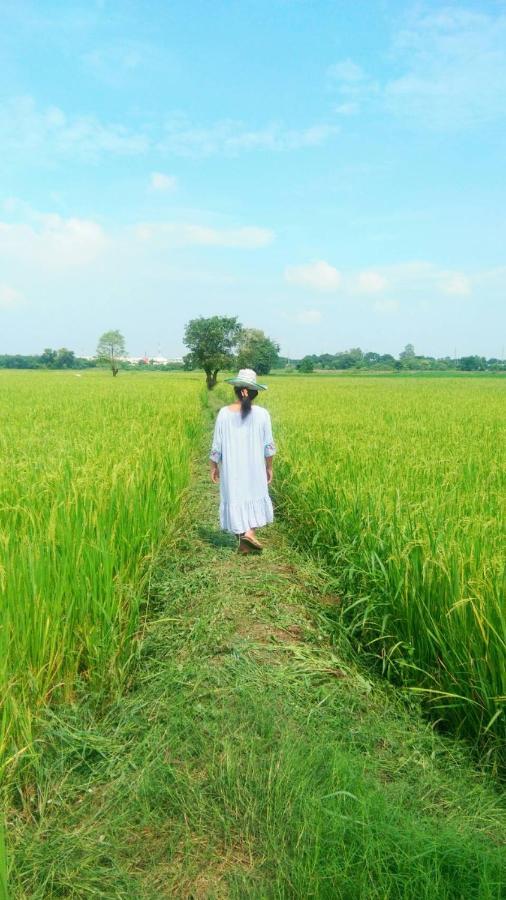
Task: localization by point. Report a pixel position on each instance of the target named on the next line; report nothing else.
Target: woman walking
(241, 461)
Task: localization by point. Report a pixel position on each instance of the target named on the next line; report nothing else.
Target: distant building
(153, 360)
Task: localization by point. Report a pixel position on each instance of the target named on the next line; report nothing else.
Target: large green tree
(111, 346)
(65, 359)
(211, 343)
(256, 351)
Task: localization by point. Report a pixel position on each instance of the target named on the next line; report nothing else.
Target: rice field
(398, 485)
(92, 472)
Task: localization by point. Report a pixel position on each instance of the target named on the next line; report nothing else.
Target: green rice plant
(3, 864)
(398, 485)
(92, 473)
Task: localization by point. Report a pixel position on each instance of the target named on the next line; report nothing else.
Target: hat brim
(254, 385)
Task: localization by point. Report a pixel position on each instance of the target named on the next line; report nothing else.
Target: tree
(407, 357)
(110, 346)
(472, 363)
(211, 343)
(48, 358)
(65, 359)
(256, 351)
(387, 360)
(306, 364)
(350, 359)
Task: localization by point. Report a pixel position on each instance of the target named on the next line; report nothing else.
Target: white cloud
(454, 67)
(402, 280)
(176, 234)
(308, 317)
(319, 275)
(371, 282)
(386, 307)
(9, 297)
(452, 70)
(113, 62)
(50, 241)
(228, 137)
(347, 109)
(347, 71)
(46, 132)
(161, 182)
(456, 283)
(353, 85)
(418, 276)
(24, 127)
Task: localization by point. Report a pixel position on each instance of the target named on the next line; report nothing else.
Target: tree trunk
(211, 378)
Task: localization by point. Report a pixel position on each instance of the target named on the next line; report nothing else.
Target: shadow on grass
(216, 538)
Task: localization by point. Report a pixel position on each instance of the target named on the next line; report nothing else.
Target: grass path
(251, 756)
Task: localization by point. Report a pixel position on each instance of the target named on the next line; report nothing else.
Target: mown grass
(252, 756)
(398, 486)
(92, 471)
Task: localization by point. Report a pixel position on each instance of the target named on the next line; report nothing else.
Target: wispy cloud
(386, 307)
(421, 275)
(347, 72)
(454, 62)
(43, 133)
(452, 70)
(354, 87)
(371, 282)
(112, 63)
(49, 242)
(308, 317)
(161, 182)
(182, 138)
(9, 297)
(50, 259)
(49, 132)
(319, 275)
(406, 279)
(177, 234)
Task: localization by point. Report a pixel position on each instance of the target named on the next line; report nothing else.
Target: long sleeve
(215, 453)
(269, 445)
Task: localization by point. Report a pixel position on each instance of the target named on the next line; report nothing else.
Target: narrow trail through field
(252, 756)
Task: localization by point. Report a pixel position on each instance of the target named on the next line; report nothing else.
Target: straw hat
(247, 378)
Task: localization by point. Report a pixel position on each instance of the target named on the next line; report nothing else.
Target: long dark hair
(245, 401)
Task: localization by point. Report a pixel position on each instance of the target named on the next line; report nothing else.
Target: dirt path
(251, 757)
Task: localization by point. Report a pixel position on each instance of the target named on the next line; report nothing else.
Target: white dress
(240, 446)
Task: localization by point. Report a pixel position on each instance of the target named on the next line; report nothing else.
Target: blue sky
(331, 172)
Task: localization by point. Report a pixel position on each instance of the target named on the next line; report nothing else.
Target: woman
(241, 461)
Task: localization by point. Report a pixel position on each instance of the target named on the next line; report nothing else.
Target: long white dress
(240, 446)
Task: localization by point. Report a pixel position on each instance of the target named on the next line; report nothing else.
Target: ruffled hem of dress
(239, 517)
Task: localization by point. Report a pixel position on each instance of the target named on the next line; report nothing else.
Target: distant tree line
(221, 342)
(408, 360)
(67, 359)
(48, 359)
